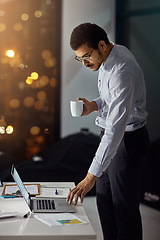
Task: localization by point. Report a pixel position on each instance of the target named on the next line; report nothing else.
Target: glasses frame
(87, 58)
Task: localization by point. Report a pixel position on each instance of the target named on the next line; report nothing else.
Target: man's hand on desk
(82, 188)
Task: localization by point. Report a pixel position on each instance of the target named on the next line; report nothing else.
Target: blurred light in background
(9, 129)
(44, 80)
(29, 76)
(2, 27)
(10, 53)
(4, 128)
(41, 95)
(14, 103)
(39, 105)
(34, 75)
(24, 16)
(29, 80)
(46, 54)
(28, 101)
(18, 27)
(38, 14)
(35, 130)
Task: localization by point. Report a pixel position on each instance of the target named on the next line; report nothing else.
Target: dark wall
(137, 27)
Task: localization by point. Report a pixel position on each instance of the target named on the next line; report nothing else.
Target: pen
(56, 192)
(1, 183)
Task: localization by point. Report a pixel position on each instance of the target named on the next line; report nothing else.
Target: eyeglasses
(87, 58)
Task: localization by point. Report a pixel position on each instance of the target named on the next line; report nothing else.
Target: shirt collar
(109, 63)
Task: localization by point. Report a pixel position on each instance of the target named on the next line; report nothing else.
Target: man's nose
(84, 62)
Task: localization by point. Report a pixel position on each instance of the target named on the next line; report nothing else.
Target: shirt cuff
(98, 102)
(95, 169)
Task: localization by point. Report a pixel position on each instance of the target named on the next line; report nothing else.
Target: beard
(96, 66)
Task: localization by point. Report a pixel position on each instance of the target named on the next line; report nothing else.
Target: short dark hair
(89, 33)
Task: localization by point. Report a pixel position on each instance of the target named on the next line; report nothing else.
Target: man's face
(91, 58)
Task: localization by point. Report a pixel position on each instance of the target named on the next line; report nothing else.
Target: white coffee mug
(76, 108)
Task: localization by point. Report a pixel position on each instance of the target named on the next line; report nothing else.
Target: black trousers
(117, 190)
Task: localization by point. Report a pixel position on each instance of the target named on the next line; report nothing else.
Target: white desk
(32, 229)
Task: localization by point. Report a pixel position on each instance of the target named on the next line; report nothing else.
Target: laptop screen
(20, 184)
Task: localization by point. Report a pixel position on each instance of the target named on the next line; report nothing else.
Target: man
(124, 138)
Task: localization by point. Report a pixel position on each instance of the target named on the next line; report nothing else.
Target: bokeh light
(39, 105)
(46, 54)
(17, 27)
(29, 80)
(24, 16)
(41, 95)
(46, 131)
(2, 130)
(38, 14)
(22, 66)
(34, 75)
(28, 101)
(10, 53)
(9, 129)
(35, 130)
(50, 62)
(40, 139)
(44, 80)
(2, 27)
(14, 103)
(21, 85)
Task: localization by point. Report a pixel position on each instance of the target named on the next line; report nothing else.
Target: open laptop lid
(20, 184)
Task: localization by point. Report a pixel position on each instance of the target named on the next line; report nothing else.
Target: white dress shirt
(121, 104)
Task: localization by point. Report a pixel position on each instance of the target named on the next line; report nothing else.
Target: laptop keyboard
(45, 204)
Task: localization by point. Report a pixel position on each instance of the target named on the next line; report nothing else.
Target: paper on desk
(59, 219)
(32, 189)
(51, 192)
(4, 214)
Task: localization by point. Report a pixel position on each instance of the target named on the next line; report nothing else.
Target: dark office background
(137, 27)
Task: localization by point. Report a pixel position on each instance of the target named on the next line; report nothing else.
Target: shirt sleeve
(99, 102)
(121, 88)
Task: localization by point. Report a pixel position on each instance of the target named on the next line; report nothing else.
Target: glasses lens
(87, 58)
(78, 59)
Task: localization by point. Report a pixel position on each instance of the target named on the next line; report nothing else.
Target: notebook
(45, 205)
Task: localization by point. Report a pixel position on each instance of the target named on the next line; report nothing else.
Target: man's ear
(102, 45)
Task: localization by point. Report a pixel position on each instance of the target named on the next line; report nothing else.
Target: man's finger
(70, 193)
(77, 195)
(68, 197)
(80, 99)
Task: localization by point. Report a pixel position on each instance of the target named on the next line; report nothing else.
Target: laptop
(41, 205)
